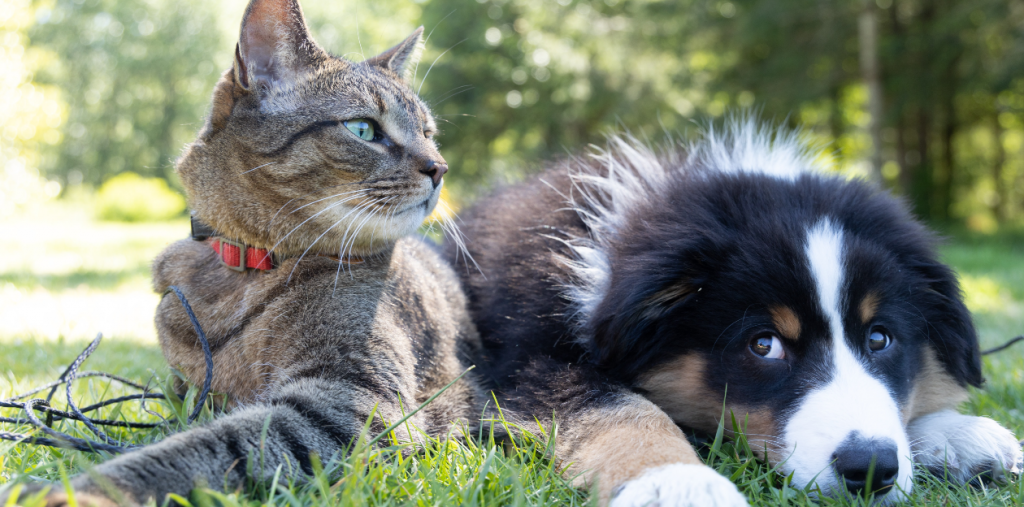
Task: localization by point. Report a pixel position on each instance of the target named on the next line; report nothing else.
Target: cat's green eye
(362, 128)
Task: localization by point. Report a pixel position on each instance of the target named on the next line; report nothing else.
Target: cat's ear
(274, 46)
(402, 59)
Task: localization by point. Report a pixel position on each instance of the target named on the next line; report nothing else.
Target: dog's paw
(55, 496)
(678, 485)
(964, 447)
(61, 499)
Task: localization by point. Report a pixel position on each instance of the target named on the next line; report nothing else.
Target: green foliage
(950, 75)
(129, 197)
(136, 77)
(514, 82)
(524, 80)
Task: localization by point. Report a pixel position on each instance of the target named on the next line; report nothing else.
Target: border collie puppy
(634, 292)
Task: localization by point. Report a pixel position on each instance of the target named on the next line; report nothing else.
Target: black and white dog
(632, 292)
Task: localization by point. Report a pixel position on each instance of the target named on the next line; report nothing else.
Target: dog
(637, 291)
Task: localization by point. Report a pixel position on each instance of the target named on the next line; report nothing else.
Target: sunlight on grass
(983, 294)
(66, 276)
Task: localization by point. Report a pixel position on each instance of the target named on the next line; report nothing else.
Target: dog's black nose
(854, 459)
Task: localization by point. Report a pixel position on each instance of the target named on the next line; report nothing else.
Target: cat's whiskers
(341, 252)
(259, 167)
(325, 210)
(387, 216)
(329, 229)
(376, 222)
(416, 69)
(272, 219)
(424, 80)
(451, 93)
(452, 123)
(355, 233)
(452, 231)
(361, 190)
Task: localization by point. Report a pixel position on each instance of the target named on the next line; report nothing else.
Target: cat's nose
(435, 170)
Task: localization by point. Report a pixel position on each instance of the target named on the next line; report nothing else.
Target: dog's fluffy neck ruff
(628, 172)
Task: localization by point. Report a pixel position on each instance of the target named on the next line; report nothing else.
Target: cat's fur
(353, 320)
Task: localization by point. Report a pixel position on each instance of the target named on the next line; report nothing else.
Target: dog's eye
(879, 339)
(768, 346)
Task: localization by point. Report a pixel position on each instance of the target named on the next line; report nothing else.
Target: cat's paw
(964, 447)
(678, 485)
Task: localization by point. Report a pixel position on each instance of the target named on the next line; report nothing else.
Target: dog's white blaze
(853, 400)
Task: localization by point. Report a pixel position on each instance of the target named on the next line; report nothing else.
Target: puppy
(634, 291)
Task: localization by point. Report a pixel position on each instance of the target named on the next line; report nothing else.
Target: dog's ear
(626, 332)
(950, 327)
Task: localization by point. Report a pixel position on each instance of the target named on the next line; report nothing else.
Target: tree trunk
(1001, 208)
(868, 34)
(944, 187)
(906, 179)
(835, 116)
(923, 177)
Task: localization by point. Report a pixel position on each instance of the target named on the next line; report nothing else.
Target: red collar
(238, 256)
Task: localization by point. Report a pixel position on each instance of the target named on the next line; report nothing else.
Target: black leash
(67, 378)
(206, 352)
(1003, 346)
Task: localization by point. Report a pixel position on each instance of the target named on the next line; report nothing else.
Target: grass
(63, 277)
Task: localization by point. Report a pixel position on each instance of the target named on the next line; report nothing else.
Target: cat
(312, 171)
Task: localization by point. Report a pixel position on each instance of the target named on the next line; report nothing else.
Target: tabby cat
(310, 170)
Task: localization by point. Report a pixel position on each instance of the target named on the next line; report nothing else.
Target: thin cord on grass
(31, 406)
(1003, 346)
(61, 380)
(206, 353)
(66, 441)
(70, 382)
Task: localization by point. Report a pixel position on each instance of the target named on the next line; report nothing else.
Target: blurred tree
(514, 81)
(29, 114)
(942, 66)
(136, 77)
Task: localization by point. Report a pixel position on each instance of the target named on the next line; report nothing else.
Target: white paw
(679, 485)
(963, 446)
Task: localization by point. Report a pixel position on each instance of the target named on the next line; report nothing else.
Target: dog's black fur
(695, 267)
(736, 236)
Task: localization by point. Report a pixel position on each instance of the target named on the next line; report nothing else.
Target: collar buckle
(224, 254)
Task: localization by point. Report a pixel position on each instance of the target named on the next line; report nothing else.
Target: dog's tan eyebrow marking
(786, 322)
(868, 307)
(672, 293)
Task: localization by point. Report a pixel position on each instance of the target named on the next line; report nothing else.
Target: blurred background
(97, 98)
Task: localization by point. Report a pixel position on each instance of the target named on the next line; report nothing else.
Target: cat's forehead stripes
(404, 117)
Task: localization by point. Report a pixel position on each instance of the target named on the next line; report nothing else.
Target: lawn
(64, 277)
